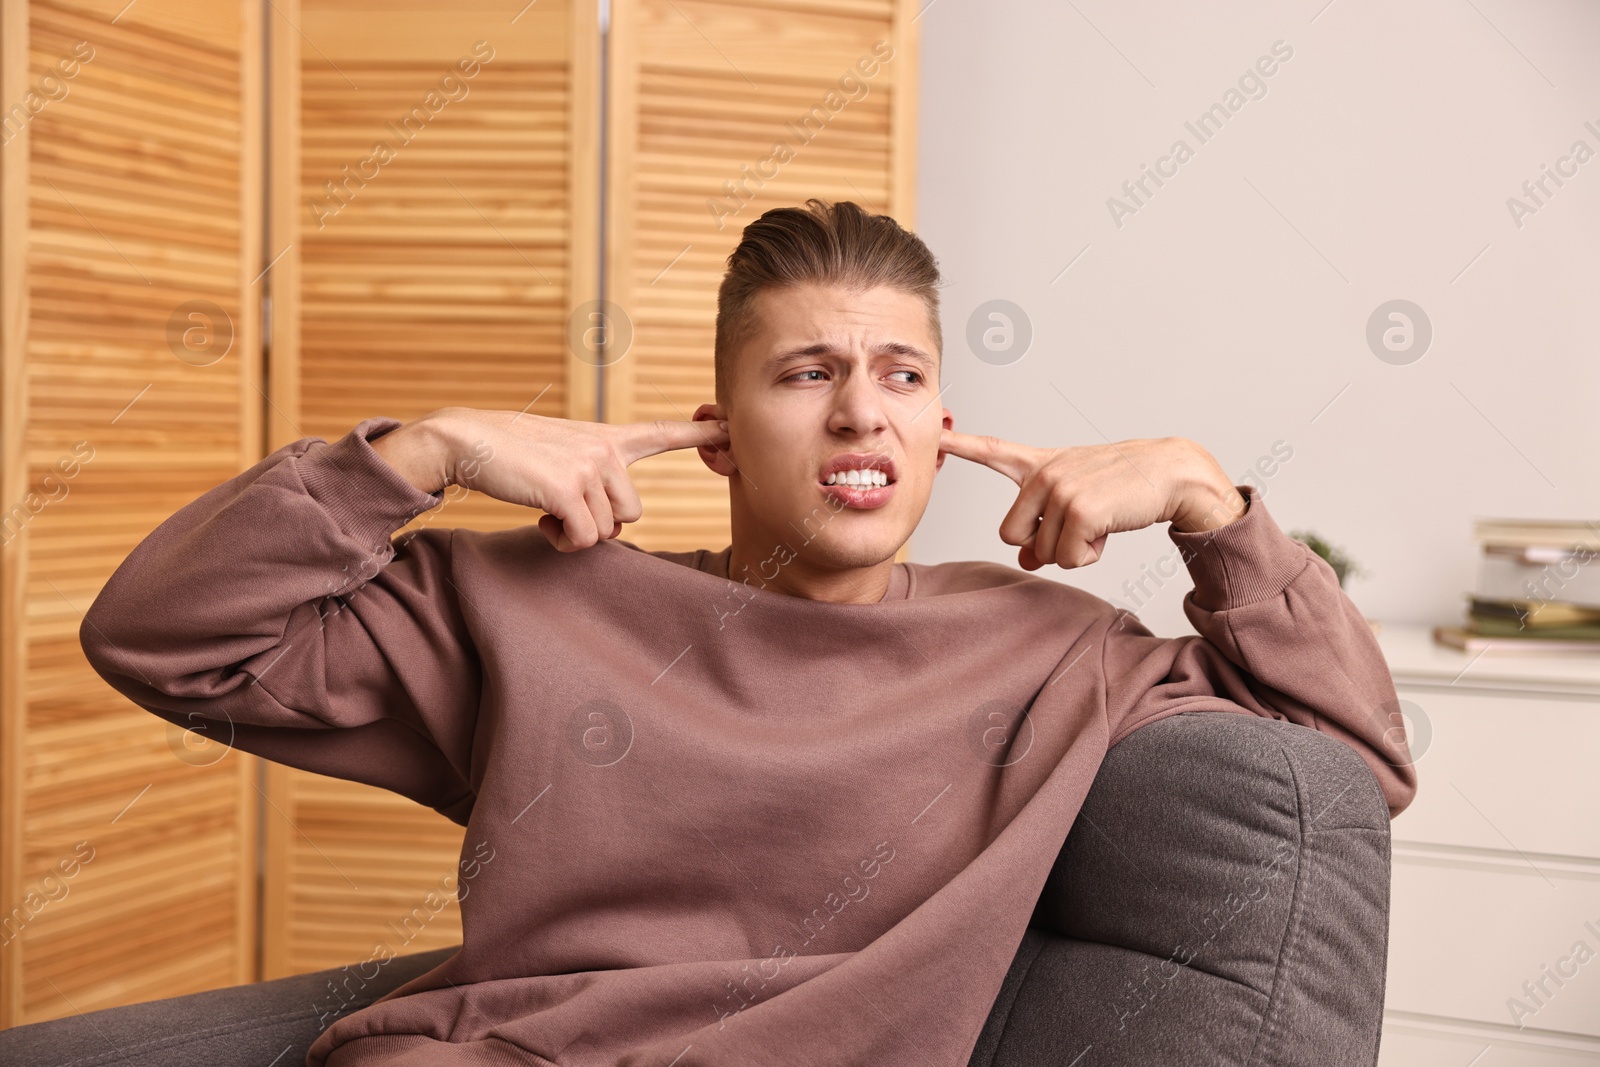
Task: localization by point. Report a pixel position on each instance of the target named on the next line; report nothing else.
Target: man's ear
(948, 422)
(714, 456)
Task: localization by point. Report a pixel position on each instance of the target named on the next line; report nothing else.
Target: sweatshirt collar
(716, 563)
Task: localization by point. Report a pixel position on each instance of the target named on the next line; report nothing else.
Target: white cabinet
(1494, 941)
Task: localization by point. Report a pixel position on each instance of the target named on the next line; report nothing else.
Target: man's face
(831, 377)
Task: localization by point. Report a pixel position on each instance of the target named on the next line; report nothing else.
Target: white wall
(1232, 307)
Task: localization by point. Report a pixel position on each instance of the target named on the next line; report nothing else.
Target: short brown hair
(823, 243)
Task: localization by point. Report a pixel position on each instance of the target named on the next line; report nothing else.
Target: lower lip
(855, 496)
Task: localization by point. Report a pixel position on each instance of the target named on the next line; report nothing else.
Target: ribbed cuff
(1248, 560)
(361, 492)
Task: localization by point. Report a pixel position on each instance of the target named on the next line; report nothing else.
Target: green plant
(1336, 558)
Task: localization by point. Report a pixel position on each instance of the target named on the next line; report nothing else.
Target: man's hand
(1071, 499)
(574, 471)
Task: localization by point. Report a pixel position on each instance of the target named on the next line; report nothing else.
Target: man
(787, 802)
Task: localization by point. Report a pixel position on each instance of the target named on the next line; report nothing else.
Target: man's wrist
(1208, 499)
(420, 451)
(1211, 509)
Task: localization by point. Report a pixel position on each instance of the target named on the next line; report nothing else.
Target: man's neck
(779, 569)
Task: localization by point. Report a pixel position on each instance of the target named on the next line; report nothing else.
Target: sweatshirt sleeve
(274, 614)
(1277, 637)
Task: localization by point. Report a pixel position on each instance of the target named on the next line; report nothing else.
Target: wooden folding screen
(130, 204)
(434, 177)
(717, 112)
(430, 190)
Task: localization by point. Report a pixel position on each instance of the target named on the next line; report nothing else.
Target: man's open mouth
(859, 479)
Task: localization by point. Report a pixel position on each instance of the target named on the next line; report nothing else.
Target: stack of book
(1538, 589)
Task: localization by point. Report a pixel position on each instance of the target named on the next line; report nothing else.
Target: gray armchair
(1223, 898)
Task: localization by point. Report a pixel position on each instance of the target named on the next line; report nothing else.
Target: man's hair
(820, 243)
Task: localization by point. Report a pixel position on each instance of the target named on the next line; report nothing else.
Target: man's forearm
(1278, 637)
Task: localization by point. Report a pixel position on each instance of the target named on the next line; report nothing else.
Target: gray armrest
(1222, 898)
(264, 1023)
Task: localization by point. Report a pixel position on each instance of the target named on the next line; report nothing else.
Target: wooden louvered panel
(410, 298)
(139, 192)
(447, 278)
(375, 863)
(702, 91)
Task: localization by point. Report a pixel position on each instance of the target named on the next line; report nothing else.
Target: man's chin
(848, 552)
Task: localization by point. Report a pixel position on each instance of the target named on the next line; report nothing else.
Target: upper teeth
(862, 476)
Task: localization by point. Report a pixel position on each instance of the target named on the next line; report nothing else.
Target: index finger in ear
(636, 440)
(1013, 460)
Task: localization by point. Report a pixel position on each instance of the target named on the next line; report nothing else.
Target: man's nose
(858, 405)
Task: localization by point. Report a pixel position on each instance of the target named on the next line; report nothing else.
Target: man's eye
(800, 375)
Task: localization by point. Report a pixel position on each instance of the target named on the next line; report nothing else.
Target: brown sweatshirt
(706, 823)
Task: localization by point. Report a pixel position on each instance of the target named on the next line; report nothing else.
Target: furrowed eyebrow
(820, 348)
